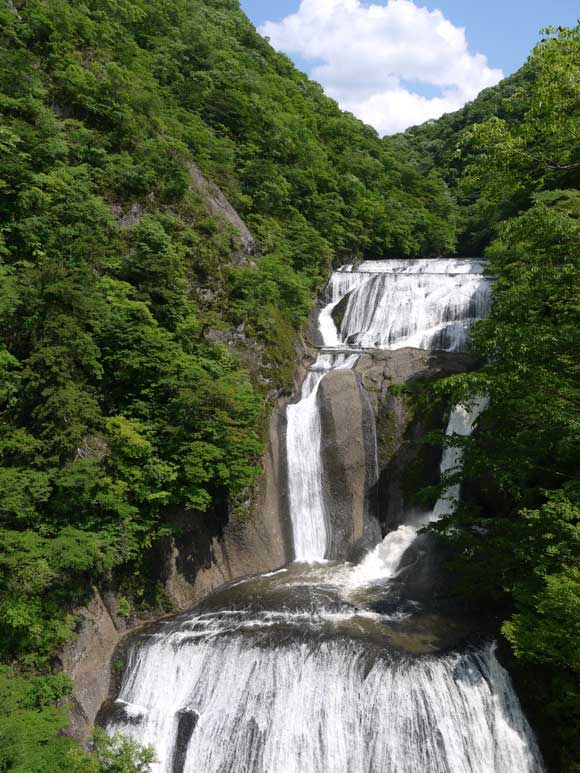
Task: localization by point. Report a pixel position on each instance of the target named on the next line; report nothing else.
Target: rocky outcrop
(339, 311)
(87, 660)
(404, 465)
(218, 206)
(372, 460)
(348, 451)
(215, 202)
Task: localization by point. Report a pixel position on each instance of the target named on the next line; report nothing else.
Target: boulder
(349, 463)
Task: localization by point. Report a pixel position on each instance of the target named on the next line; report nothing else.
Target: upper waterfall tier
(391, 304)
(386, 304)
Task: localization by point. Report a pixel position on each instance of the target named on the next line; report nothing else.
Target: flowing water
(333, 667)
(426, 304)
(310, 526)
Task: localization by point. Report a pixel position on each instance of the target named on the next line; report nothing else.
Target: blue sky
(367, 73)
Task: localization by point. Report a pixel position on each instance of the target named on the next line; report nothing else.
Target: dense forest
(141, 342)
(512, 160)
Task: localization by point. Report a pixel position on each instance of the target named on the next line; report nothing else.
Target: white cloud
(369, 58)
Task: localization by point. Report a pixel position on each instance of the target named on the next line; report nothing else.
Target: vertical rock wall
(349, 463)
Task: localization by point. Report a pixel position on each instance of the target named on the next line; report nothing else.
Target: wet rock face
(349, 463)
(371, 459)
(339, 311)
(185, 726)
(405, 465)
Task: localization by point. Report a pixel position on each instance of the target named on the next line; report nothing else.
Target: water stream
(329, 666)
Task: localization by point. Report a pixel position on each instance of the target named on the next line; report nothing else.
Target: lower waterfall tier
(292, 673)
(239, 705)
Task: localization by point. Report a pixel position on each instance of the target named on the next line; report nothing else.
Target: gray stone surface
(87, 660)
(219, 206)
(349, 463)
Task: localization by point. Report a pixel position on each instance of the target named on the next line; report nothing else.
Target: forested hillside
(130, 315)
(438, 145)
(513, 161)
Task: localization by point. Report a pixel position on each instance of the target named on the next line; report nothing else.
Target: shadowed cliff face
(405, 464)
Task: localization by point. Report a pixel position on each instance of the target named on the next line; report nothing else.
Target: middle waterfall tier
(388, 305)
(305, 476)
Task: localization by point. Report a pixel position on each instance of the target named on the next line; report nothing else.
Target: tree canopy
(518, 534)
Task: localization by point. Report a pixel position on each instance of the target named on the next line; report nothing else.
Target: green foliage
(518, 534)
(33, 714)
(135, 353)
(119, 754)
(31, 725)
(447, 145)
(541, 149)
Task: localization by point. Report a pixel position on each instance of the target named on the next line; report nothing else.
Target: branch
(548, 164)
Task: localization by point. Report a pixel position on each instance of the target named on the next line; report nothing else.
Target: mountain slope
(441, 145)
(517, 538)
(172, 193)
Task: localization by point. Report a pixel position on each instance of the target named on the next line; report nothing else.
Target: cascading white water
(309, 527)
(296, 671)
(332, 707)
(383, 562)
(461, 424)
(422, 303)
(309, 520)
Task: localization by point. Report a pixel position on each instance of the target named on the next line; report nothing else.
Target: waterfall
(305, 707)
(461, 423)
(327, 667)
(409, 306)
(427, 304)
(309, 520)
(384, 561)
(309, 527)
